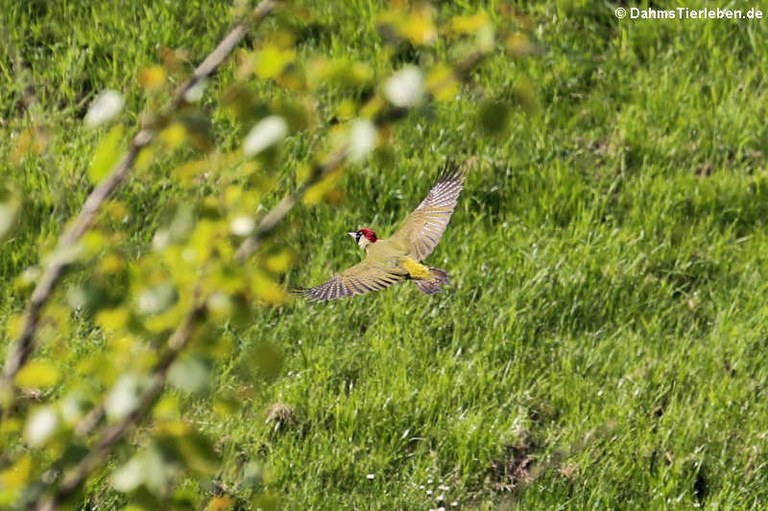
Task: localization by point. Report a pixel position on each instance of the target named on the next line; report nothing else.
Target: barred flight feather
(424, 227)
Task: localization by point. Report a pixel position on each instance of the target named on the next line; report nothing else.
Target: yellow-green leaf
(419, 27)
(17, 475)
(271, 61)
(188, 172)
(37, 374)
(341, 73)
(267, 290)
(152, 77)
(112, 320)
(442, 83)
(31, 141)
(416, 25)
(106, 154)
(518, 45)
(220, 503)
(469, 24)
(279, 262)
(174, 135)
(323, 189)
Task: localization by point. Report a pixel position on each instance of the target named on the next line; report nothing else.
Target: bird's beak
(353, 234)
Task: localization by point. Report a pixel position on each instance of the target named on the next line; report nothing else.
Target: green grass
(603, 342)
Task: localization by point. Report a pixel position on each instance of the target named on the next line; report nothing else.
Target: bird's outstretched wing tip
(457, 170)
(302, 292)
(321, 293)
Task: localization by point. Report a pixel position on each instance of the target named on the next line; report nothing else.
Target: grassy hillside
(603, 342)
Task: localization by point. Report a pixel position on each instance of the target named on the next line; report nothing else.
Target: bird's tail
(432, 284)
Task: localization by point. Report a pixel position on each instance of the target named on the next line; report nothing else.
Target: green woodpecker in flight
(397, 259)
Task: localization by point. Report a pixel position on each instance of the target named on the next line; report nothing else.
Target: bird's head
(364, 237)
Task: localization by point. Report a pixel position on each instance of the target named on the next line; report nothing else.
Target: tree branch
(24, 345)
(276, 214)
(268, 223)
(113, 434)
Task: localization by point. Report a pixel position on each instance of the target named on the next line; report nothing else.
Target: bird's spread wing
(358, 279)
(423, 228)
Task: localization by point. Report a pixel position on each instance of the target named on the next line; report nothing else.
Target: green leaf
(244, 104)
(198, 453)
(106, 154)
(147, 468)
(128, 477)
(124, 396)
(294, 113)
(177, 220)
(199, 128)
(190, 374)
(494, 117)
(89, 297)
(226, 403)
(262, 360)
(253, 474)
(266, 502)
(157, 299)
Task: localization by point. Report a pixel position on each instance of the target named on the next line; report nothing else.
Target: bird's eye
(359, 233)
